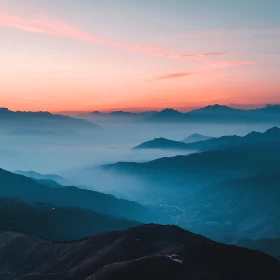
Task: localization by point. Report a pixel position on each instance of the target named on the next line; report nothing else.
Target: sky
(86, 55)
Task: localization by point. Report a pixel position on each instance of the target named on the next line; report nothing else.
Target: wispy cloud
(207, 54)
(173, 76)
(45, 25)
(225, 64)
(209, 66)
(38, 98)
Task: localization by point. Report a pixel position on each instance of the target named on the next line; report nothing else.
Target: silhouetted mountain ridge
(269, 136)
(161, 143)
(31, 191)
(13, 121)
(149, 252)
(211, 113)
(56, 223)
(196, 138)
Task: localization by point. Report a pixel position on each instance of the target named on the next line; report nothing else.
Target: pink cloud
(208, 54)
(45, 25)
(173, 76)
(225, 64)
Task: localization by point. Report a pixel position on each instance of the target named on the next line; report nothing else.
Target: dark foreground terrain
(144, 252)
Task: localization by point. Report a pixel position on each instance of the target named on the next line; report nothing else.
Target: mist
(78, 155)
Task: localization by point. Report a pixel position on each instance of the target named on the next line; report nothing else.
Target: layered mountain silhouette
(270, 136)
(31, 191)
(243, 159)
(212, 113)
(38, 176)
(196, 138)
(41, 122)
(162, 143)
(237, 202)
(219, 113)
(56, 223)
(243, 207)
(144, 252)
(116, 116)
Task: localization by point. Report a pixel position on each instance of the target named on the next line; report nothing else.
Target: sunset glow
(107, 55)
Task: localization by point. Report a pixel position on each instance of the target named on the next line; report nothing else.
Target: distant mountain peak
(169, 110)
(218, 107)
(273, 130)
(4, 110)
(196, 137)
(160, 139)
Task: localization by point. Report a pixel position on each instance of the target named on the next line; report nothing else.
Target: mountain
(270, 136)
(214, 110)
(219, 114)
(151, 252)
(209, 114)
(166, 144)
(196, 138)
(31, 191)
(56, 223)
(116, 116)
(166, 115)
(246, 158)
(270, 246)
(218, 193)
(174, 180)
(206, 114)
(38, 176)
(162, 143)
(44, 122)
(244, 207)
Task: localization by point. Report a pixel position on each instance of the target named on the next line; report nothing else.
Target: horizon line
(182, 109)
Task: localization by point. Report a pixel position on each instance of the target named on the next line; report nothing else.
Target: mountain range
(32, 191)
(38, 176)
(149, 252)
(229, 191)
(162, 143)
(196, 138)
(116, 116)
(56, 223)
(212, 113)
(41, 123)
(272, 135)
(219, 113)
(245, 159)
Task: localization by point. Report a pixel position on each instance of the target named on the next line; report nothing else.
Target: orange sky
(79, 60)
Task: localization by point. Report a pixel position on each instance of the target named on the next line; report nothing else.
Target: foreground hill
(270, 246)
(31, 191)
(56, 223)
(149, 252)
